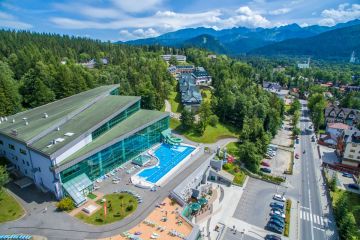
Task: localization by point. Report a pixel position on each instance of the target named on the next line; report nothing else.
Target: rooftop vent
(2, 119)
(26, 123)
(68, 134)
(14, 132)
(5, 119)
(58, 129)
(24, 118)
(13, 121)
(46, 115)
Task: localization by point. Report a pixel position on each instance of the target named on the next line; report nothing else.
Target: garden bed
(287, 218)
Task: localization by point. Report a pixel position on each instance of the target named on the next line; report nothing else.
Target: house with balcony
(342, 115)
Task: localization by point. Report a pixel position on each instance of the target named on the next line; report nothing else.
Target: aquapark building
(63, 146)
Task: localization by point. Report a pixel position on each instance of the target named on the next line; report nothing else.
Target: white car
(279, 197)
(277, 213)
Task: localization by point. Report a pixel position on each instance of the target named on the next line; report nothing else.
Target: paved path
(168, 109)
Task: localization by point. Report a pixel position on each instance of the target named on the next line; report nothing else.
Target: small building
(304, 65)
(201, 76)
(352, 88)
(212, 56)
(336, 129)
(179, 58)
(92, 63)
(190, 92)
(180, 69)
(271, 86)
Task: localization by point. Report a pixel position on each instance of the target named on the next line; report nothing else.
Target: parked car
(265, 164)
(348, 175)
(274, 228)
(297, 156)
(277, 213)
(279, 197)
(313, 139)
(354, 186)
(272, 237)
(277, 204)
(278, 218)
(265, 170)
(278, 209)
(277, 223)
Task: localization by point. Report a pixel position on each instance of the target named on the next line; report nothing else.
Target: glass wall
(118, 118)
(104, 161)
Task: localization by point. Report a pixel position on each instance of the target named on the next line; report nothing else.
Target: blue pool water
(169, 156)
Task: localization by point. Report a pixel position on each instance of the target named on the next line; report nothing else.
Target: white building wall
(74, 149)
(352, 152)
(21, 161)
(43, 174)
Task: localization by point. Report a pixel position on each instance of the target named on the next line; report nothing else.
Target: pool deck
(142, 183)
(174, 222)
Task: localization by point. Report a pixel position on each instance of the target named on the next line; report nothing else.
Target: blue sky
(131, 19)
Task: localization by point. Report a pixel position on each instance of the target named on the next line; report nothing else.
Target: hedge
(287, 218)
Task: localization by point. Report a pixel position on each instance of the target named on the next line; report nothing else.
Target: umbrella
(203, 201)
(195, 207)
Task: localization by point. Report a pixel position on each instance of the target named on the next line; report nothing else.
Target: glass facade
(118, 118)
(104, 161)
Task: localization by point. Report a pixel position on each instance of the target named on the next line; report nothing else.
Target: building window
(27, 163)
(12, 147)
(352, 150)
(358, 157)
(23, 162)
(25, 171)
(351, 156)
(1, 142)
(22, 151)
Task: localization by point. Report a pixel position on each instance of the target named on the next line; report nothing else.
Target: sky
(122, 20)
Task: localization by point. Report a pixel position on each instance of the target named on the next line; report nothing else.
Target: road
(311, 213)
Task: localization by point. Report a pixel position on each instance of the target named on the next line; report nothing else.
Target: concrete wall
(74, 149)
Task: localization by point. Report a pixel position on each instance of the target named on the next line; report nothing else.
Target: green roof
(57, 111)
(136, 121)
(84, 122)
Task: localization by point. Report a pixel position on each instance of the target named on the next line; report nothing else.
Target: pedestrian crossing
(305, 215)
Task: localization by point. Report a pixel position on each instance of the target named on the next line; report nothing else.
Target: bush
(226, 166)
(287, 218)
(65, 204)
(213, 120)
(129, 208)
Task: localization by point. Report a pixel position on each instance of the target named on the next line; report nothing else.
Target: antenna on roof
(46, 115)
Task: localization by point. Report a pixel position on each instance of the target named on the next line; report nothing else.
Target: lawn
(232, 149)
(119, 206)
(233, 169)
(353, 202)
(10, 209)
(174, 100)
(211, 134)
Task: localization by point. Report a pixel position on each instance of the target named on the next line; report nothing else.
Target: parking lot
(284, 135)
(280, 162)
(343, 181)
(254, 205)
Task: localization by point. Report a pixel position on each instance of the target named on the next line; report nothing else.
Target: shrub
(65, 204)
(287, 218)
(213, 120)
(129, 208)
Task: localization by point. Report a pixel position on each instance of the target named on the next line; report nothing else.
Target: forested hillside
(31, 72)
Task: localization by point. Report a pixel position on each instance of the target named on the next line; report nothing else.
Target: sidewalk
(327, 211)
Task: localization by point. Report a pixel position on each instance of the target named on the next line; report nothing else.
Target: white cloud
(345, 12)
(134, 6)
(280, 11)
(138, 33)
(9, 21)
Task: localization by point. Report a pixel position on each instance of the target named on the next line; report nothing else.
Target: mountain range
(291, 40)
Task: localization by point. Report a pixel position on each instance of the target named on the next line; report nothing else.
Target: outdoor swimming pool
(169, 156)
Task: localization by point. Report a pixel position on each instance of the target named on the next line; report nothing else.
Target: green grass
(117, 209)
(174, 99)
(353, 202)
(233, 169)
(232, 149)
(211, 134)
(91, 196)
(10, 209)
(287, 218)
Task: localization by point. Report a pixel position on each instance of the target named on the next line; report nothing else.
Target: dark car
(277, 205)
(277, 223)
(348, 175)
(276, 217)
(272, 237)
(265, 170)
(354, 186)
(274, 228)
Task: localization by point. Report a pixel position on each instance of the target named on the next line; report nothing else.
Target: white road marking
(320, 229)
(304, 207)
(322, 221)
(318, 219)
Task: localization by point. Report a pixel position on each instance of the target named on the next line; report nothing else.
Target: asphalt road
(311, 215)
